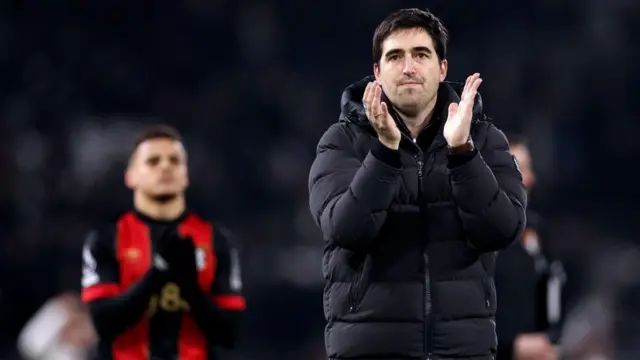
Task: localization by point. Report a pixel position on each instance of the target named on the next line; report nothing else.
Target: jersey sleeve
(100, 271)
(227, 285)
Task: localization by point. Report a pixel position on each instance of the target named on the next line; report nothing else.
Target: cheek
(387, 86)
(432, 71)
(389, 74)
(145, 173)
(183, 175)
(146, 176)
(184, 178)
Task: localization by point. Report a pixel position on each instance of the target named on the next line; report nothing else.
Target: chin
(408, 106)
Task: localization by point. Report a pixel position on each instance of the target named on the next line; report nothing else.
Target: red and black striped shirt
(138, 311)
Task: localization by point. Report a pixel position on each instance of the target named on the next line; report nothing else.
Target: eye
(394, 57)
(422, 56)
(153, 161)
(175, 160)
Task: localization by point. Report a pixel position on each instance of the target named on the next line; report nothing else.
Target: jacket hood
(353, 109)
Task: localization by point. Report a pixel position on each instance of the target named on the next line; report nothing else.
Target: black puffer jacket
(411, 235)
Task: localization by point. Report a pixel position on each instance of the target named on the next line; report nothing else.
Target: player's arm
(218, 314)
(349, 198)
(487, 187)
(112, 310)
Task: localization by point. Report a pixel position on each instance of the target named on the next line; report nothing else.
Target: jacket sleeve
(112, 309)
(348, 197)
(219, 313)
(489, 193)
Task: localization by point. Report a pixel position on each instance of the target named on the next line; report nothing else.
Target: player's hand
(379, 116)
(458, 126)
(186, 274)
(169, 255)
(186, 251)
(534, 347)
(162, 257)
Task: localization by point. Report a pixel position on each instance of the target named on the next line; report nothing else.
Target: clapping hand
(458, 126)
(379, 116)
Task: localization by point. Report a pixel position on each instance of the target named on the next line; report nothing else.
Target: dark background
(252, 85)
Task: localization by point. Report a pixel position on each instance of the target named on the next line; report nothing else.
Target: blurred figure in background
(60, 330)
(528, 285)
(160, 282)
(605, 324)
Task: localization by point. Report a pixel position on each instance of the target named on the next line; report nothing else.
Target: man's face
(521, 152)
(409, 70)
(158, 168)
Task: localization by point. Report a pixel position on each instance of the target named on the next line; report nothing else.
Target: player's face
(523, 157)
(159, 168)
(409, 70)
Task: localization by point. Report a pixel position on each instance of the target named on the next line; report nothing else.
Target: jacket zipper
(427, 273)
(419, 158)
(428, 303)
(355, 291)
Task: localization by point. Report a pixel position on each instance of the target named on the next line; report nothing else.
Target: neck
(169, 210)
(416, 123)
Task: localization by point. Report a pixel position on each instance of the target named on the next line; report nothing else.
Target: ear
(376, 71)
(129, 179)
(444, 67)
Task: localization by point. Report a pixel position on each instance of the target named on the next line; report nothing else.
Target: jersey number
(169, 300)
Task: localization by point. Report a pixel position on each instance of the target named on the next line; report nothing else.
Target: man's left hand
(458, 126)
(187, 252)
(186, 272)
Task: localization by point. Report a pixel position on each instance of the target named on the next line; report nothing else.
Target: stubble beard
(411, 105)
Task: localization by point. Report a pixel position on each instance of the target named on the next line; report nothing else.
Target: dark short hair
(410, 19)
(159, 131)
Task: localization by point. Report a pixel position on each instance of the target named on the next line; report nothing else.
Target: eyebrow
(414, 49)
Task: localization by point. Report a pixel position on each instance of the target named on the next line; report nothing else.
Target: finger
(473, 91)
(470, 81)
(368, 95)
(377, 94)
(374, 108)
(384, 110)
(470, 93)
(365, 96)
(453, 109)
(476, 84)
(466, 84)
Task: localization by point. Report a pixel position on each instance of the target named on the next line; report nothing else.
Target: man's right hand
(535, 346)
(379, 116)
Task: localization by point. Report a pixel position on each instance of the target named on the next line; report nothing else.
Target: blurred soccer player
(160, 282)
(528, 285)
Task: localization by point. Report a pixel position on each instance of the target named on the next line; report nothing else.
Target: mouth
(409, 83)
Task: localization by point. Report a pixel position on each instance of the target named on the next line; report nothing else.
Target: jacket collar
(448, 92)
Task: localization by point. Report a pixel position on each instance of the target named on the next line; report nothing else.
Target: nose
(165, 165)
(409, 68)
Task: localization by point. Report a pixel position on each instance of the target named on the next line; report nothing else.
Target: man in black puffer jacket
(414, 191)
